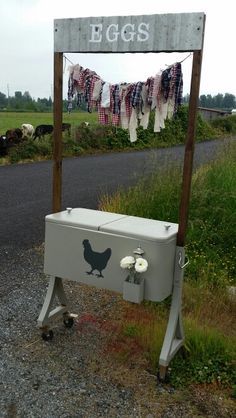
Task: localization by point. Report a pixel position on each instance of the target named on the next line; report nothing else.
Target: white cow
(27, 130)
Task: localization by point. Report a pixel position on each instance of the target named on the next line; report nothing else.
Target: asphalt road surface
(26, 189)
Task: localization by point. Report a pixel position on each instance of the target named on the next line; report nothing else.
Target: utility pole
(8, 95)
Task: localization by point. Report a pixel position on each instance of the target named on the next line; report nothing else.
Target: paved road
(26, 189)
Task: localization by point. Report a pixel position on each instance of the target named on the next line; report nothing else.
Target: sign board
(145, 33)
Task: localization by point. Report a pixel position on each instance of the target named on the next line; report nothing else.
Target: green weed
(209, 358)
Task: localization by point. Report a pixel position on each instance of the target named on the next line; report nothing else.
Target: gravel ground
(71, 376)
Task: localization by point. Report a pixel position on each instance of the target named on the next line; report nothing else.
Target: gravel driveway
(72, 376)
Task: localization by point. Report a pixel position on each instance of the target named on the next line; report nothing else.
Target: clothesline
(128, 104)
(167, 65)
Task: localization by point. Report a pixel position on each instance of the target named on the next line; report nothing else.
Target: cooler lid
(142, 228)
(85, 218)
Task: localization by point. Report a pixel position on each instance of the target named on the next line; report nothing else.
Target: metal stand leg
(55, 289)
(174, 337)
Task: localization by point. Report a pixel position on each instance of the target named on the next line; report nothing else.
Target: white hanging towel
(144, 116)
(76, 72)
(133, 124)
(105, 98)
(160, 115)
(97, 89)
(156, 90)
(124, 119)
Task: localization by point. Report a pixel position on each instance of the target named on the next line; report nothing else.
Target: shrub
(30, 149)
(225, 125)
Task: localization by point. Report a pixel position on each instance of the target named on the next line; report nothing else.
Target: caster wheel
(163, 378)
(47, 336)
(68, 322)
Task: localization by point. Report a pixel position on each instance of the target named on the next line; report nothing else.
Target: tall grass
(208, 354)
(155, 196)
(209, 357)
(208, 310)
(212, 226)
(211, 236)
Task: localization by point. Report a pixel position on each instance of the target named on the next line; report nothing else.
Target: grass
(209, 351)
(211, 236)
(209, 311)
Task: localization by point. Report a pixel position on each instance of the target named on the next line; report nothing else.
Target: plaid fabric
(103, 115)
(80, 99)
(128, 106)
(89, 86)
(115, 99)
(87, 92)
(82, 78)
(150, 84)
(115, 119)
(178, 87)
(70, 92)
(173, 73)
(136, 97)
(115, 104)
(165, 83)
(92, 103)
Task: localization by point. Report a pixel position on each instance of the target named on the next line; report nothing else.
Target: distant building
(233, 111)
(210, 114)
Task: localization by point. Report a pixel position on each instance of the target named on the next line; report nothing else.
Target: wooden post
(57, 132)
(189, 148)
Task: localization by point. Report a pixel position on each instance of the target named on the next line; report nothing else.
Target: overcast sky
(26, 39)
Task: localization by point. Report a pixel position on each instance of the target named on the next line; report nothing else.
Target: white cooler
(107, 238)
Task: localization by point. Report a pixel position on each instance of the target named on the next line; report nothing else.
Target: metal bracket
(182, 266)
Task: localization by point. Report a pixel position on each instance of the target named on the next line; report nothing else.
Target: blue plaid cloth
(136, 98)
(116, 99)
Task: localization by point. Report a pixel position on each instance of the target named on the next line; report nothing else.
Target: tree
(218, 101)
(203, 100)
(3, 100)
(229, 101)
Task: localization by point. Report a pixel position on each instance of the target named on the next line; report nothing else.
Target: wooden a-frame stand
(168, 33)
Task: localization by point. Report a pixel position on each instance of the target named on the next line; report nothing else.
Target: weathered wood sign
(146, 33)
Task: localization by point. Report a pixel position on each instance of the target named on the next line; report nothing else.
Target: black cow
(14, 136)
(10, 139)
(42, 130)
(3, 145)
(66, 127)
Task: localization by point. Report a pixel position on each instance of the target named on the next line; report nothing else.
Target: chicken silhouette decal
(97, 261)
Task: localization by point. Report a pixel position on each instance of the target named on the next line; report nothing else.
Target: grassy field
(10, 120)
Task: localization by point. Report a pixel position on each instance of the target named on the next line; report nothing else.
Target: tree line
(24, 102)
(221, 101)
